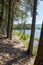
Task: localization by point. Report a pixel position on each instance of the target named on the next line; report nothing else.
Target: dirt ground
(13, 52)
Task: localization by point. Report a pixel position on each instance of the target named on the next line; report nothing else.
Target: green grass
(36, 39)
(35, 50)
(21, 37)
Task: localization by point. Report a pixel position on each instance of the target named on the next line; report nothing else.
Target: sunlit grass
(21, 37)
(35, 50)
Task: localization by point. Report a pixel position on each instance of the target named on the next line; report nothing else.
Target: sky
(40, 13)
(39, 17)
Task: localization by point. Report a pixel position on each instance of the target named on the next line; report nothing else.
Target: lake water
(37, 32)
(37, 35)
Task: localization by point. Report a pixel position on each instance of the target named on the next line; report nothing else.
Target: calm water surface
(37, 32)
(37, 35)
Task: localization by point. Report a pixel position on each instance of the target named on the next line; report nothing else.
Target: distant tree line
(27, 26)
(11, 10)
(19, 26)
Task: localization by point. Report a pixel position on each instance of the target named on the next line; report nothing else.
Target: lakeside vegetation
(21, 26)
(18, 49)
(27, 26)
(21, 37)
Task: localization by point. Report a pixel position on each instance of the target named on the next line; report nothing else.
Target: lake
(37, 35)
(37, 32)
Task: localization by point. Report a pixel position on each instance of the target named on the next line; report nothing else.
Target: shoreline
(26, 43)
(26, 35)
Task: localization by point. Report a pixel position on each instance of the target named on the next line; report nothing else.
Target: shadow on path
(11, 55)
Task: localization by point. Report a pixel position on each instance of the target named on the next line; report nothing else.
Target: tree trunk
(24, 27)
(11, 25)
(39, 56)
(0, 24)
(8, 25)
(1, 15)
(9, 20)
(30, 48)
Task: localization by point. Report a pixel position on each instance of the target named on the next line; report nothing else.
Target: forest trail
(12, 52)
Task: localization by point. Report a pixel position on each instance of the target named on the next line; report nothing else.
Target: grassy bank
(21, 37)
(35, 50)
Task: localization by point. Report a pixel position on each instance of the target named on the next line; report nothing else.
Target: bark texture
(30, 48)
(39, 57)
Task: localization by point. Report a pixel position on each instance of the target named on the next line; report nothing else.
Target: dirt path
(12, 52)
